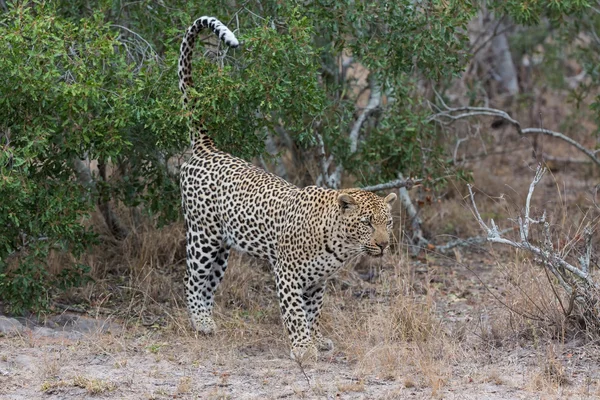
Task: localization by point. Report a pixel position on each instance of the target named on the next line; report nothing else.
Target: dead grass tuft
(395, 333)
(355, 386)
(551, 372)
(184, 385)
(51, 386)
(93, 386)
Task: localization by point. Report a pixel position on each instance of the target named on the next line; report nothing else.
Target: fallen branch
(448, 115)
(467, 242)
(575, 280)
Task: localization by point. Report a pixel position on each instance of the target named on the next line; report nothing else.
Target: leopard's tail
(198, 132)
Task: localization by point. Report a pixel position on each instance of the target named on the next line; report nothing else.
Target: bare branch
(418, 239)
(477, 215)
(395, 184)
(539, 173)
(547, 256)
(590, 153)
(450, 115)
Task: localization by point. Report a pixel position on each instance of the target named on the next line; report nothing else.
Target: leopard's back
(245, 205)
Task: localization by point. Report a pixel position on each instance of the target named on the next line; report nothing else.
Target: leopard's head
(367, 221)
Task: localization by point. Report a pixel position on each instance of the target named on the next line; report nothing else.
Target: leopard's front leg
(313, 303)
(293, 314)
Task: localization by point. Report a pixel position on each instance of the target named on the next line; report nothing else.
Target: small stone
(10, 326)
(76, 323)
(53, 333)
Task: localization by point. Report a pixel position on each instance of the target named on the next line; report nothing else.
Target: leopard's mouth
(375, 253)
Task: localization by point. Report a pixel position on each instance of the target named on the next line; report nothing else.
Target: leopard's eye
(366, 221)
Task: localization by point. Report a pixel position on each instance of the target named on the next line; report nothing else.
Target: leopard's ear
(390, 199)
(346, 202)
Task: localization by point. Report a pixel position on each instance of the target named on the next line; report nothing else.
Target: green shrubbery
(71, 92)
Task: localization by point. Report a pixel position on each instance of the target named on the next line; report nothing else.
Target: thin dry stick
(494, 236)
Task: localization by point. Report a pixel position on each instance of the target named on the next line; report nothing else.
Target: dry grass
(50, 367)
(92, 385)
(390, 326)
(395, 333)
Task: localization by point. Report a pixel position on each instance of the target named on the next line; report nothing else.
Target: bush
(71, 92)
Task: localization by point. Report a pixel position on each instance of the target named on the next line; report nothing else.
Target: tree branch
(448, 115)
(551, 259)
(395, 184)
(335, 178)
(416, 223)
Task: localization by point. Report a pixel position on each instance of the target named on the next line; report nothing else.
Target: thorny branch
(448, 115)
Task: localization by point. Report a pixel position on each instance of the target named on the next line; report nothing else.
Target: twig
(418, 240)
(539, 173)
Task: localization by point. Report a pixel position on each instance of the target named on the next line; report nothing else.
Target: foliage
(531, 12)
(569, 38)
(249, 97)
(401, 43)
(70, 92)
(280, 77)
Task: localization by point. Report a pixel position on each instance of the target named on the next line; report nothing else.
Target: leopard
(306, 234)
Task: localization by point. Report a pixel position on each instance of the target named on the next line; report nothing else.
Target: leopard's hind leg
(206, 265)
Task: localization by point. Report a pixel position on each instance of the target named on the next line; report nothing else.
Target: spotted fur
(307, 234)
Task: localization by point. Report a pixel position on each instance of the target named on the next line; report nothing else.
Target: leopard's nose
(382, 245)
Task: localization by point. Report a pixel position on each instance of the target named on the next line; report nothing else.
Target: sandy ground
(39, 367)
(43, 368)
(78, 357)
